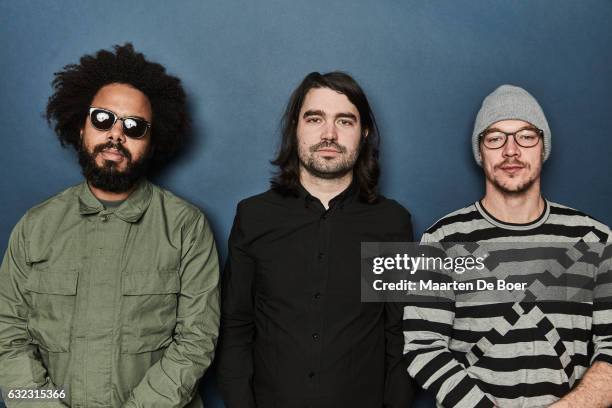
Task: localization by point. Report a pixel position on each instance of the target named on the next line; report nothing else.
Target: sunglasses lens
(101, 119)
(134, 127)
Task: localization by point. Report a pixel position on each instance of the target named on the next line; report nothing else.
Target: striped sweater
(508, 354)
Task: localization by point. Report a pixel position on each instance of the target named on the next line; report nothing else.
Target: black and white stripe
(520, 354)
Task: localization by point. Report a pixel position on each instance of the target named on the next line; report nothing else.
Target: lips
(112, 154)
(327, 147)
(511, 169)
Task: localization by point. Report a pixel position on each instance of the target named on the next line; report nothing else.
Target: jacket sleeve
(20, 364)
(235, 362)
(428, 328)
(173, 380)
(399, 387)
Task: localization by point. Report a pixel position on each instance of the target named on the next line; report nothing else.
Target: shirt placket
(320, 273)
(96, 326)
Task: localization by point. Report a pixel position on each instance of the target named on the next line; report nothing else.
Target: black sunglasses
(133, 126)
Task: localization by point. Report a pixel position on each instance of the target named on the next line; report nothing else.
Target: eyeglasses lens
(134, 128)
(102, 120)
(524, 138)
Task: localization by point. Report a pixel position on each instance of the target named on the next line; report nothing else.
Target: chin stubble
(326, 168)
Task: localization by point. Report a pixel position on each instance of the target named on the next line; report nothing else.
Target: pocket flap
(153, 282)
(52, 282)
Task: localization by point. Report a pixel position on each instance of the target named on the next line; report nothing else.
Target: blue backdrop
(425, 65)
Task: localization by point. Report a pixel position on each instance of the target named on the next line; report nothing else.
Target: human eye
(494, 137)
(527, 135)
(313, 119)
(345, 122)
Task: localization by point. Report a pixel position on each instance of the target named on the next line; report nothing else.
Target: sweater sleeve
(427, 330)
(602, 309)
(428, 327)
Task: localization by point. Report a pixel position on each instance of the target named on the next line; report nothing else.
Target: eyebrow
(346, 115)
(318, 112)
(313, 112)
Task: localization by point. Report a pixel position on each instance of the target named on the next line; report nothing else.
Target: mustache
(110, 145)
(327, 144)
(511, 163)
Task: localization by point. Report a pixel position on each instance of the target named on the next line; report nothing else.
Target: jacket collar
(129, 211)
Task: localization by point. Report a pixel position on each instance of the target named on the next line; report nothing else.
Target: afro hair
(77, 84)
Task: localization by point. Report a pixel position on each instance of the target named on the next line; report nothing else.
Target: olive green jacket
(117, 307)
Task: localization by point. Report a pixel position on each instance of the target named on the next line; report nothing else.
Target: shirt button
(311, 374)
(104, 218)
(317, 295)
(316, 336)
(320, 256)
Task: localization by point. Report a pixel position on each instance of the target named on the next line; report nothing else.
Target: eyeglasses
(496, 139)
(103, 119)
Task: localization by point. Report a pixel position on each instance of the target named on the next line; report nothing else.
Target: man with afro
(109, 293)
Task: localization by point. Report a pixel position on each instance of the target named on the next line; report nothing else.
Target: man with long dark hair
(109, 289)
(294, 332)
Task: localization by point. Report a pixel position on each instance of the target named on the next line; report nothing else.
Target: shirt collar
(130, 211)
(341, 199)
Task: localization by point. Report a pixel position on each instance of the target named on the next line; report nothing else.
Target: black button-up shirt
(294, 332)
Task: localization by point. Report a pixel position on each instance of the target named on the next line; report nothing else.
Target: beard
(108, 177)
(514, 190)
(328, 168)
(517, 189)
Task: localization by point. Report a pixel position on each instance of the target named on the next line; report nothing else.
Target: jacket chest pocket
(149, 307)
(53, 296)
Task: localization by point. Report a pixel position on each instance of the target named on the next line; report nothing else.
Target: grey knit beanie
(505, 103)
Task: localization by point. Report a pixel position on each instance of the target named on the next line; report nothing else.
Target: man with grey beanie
(527, 354)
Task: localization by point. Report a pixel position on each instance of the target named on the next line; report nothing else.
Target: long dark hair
(366, 170)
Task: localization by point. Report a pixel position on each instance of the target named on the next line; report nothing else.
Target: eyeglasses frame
(121, 118)
(482, 134)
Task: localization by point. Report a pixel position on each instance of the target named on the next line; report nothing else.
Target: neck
(520, 208)
(324, 189)
(110, 196)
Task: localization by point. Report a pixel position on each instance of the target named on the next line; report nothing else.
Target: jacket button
(316, 336)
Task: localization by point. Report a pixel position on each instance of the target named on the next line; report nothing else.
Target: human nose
(116, 132)
(330, 132)
(511, 148)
